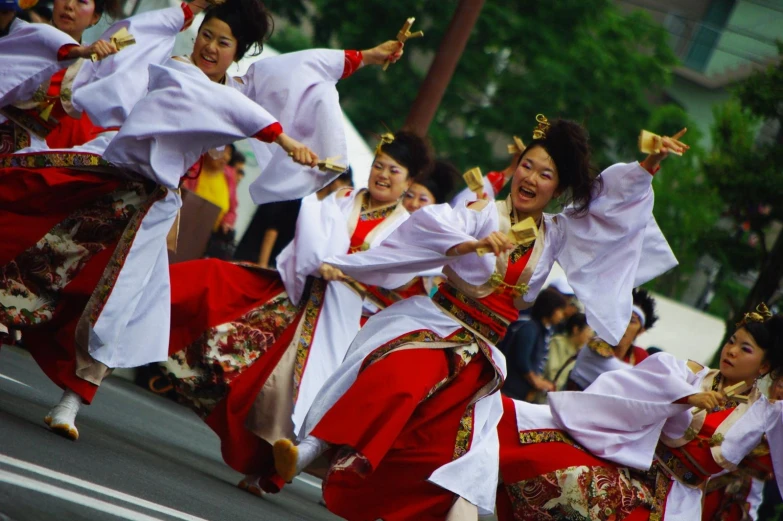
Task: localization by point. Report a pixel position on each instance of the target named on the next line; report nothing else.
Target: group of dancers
(370, 351)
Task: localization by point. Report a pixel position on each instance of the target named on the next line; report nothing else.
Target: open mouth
(208, 60)
(527, 193)
(725, 361)
(382, 184)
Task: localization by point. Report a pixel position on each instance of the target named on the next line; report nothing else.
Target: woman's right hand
(330, 273)
(300, 152)
(497, 242)
(707, 400)
(101, 49)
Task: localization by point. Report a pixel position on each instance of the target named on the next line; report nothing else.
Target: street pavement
(139, 457)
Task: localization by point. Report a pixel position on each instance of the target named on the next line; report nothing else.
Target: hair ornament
(541, 129)
(761, 314)
(385, 139)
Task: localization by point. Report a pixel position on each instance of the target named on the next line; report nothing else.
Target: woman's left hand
(330, 273)
(665, 145)
(390, 51)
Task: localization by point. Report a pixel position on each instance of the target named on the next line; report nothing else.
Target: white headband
(639, 313)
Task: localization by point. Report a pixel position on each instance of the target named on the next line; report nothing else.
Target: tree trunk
(443, 66)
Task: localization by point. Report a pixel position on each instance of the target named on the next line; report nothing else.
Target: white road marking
(309, 481)
(92, 487)
(61, 493)
(4, 377)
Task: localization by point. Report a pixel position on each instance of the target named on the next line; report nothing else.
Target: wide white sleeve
(613, 248)
(299, 90)
(182, 117)
(629, 409)
(321, 231)
(28, 57)
(421, 243)
(108, 89)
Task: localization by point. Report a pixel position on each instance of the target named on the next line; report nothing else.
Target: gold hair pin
(541, 129)
(386, 139)
(761, 314)
(404, 35)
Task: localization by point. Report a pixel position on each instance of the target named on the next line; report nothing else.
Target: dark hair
(567, 143)
(410, 151)
(250, 23)
(576, 321)
(643, 299)
(112, 8)
(547, 302)
(346, 177)
(440, 180)
(769, 336)
(236, 158)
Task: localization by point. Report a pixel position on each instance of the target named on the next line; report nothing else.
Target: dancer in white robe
(656, 435)
(251, 347)
(420, 358)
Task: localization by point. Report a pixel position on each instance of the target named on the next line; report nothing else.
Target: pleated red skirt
(32, 202)
(400, 436)
(524, 462)
(205, 294)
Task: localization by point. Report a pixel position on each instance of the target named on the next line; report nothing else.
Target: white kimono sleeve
(108, 89)
(182, 117)
(321, 231)
(28, 57)
(299, 90)
(629, 409)
(609, 251)
(421, 243)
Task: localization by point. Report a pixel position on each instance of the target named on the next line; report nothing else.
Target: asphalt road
(139, 457)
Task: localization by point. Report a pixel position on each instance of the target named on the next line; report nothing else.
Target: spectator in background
(274, 224)
(561, 285)
(237, 163)
(8, 11)
(600, 357)
(526, 345)
(564, 348)
(217, 183)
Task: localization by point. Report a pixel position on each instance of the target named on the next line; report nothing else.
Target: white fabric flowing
(605, 254)
(299, 90)
(28, 57)
(108, 89)
(164, 134)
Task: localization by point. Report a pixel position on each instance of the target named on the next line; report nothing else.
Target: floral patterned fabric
(579, 493)
(203, 371)
(30, 284)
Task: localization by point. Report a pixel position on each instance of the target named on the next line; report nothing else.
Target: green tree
(580, 59)
(745, 166)
(686, 205)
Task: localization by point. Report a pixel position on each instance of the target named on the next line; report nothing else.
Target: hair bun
(440, 180)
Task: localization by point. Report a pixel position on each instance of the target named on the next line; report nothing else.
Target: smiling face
(741, 359)
(74, 16)
(388, 179)
(534, 183)
(417, 196)
(215, 48)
